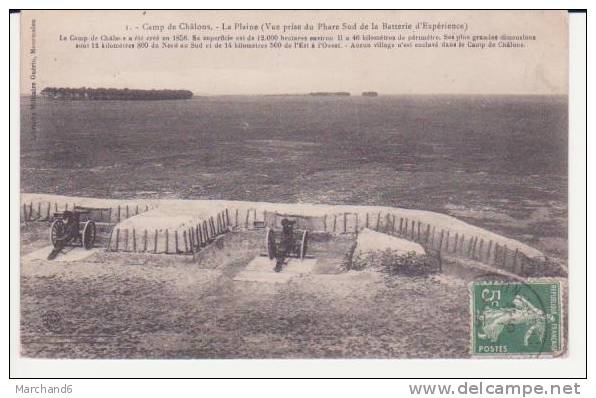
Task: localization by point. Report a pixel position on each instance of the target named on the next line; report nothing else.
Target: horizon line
(352, 94)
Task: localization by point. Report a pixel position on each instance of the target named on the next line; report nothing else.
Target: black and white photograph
(248, 185)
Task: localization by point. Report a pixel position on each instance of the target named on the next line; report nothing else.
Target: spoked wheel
(56, 231)
(271, 246)
(88, 235)
(303, 245)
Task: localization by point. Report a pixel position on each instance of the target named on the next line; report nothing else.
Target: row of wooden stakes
(440, 240)
(45, 211)
(186, 241)
(457, 244)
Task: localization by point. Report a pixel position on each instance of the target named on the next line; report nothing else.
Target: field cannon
(72, 228)
(288, 242)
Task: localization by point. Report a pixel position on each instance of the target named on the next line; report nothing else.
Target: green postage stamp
(515, 318)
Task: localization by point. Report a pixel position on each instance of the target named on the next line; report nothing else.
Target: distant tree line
(327, 93)
(85, 93)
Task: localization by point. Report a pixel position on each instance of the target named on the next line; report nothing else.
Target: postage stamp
(516, 318)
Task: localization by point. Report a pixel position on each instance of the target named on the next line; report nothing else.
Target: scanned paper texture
(293, 184)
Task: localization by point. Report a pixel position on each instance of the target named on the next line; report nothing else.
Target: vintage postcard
(293, 185)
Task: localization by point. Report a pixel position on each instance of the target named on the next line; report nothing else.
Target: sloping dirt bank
(122, 305)
(183, 214)
(137, 305)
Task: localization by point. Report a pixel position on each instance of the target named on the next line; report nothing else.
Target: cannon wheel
(56, 231)
(271, 246)
(303, 245)
(88, 236)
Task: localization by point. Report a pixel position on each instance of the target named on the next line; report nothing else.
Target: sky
(541, 68)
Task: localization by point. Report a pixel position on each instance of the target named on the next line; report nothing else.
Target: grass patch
(393, 262)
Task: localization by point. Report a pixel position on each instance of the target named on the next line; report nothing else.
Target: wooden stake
(474, 247)
(441, 241)
(117, 238)
(155, 242)
(427, 234)
(401, 221)
(334, 222)
(432, 237)
(118, 212)
(366, 219)
(145, 236)
(185, 241)
(247, 213)
(134, 240)
(126, 240)
(447, 243)
(378, 221)
(176, 250)
(167, 240)
(345, 222)
(490, 245)
(418, 231)
(236, 219)
(504, 256)
(110, 239)
(127, 216)
(192, 240)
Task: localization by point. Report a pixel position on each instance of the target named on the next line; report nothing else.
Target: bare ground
(116, 305)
